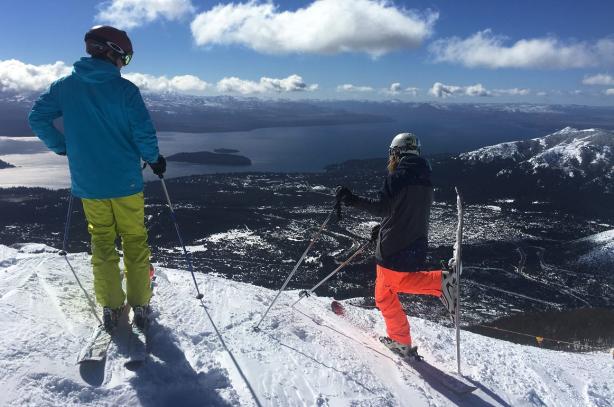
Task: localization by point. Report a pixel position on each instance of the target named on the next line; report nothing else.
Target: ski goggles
(126, 58)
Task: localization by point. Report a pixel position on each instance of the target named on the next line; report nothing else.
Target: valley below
(252, 227)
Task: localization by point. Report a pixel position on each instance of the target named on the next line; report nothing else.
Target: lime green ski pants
(107, 218)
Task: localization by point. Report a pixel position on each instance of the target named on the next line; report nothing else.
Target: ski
(458, 269)
(436, 378)
(96, 348)
(137, 346)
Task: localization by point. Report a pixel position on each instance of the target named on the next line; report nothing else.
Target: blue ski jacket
(107, 129)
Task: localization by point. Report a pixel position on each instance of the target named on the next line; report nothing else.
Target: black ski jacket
(405, 203)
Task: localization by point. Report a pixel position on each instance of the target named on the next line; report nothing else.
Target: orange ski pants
(389, 283)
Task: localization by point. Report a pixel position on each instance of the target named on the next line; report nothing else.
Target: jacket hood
(94, 70)
(416, 165)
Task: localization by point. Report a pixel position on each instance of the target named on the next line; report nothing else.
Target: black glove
(159, 167)
(343, 194)
(375, 232)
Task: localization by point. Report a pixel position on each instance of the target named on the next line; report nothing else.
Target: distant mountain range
(569, 169)
(569, 154)
(444, 127)
(193, 114)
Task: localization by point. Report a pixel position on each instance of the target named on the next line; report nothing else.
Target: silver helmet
(405, 143)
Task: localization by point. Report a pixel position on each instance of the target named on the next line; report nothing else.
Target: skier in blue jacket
(107, 131)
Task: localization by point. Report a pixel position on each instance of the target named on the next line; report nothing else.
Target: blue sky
(450, 51)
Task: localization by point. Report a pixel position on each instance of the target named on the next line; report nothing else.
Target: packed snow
(303, 357)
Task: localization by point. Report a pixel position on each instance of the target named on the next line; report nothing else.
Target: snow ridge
(307, 357)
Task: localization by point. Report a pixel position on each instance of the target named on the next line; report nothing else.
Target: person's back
(405, 228)
(107, 131)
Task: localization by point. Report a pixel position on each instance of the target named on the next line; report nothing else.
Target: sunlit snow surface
(305, 357)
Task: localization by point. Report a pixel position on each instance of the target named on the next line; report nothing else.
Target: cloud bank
(374, 27)
(18, 77)
(348, 87)
(439, 90)
(127, 14)
(396, 89)
(189, 84)
(599, 79)
(486, 50)
(293, 83)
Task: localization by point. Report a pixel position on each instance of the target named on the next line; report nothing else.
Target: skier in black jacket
(404, 202)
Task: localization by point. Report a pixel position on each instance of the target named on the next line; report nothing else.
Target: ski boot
(405, 351)
(110, 317)
(141, 316)
(448, 287)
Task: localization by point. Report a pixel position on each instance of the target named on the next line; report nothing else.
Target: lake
(288, 149)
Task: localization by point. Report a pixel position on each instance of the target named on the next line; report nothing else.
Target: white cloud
(396, 89)
(412, 91)
(375, 27)
(484, 49)
(609, 92)
(161, 84)
(293, 83)
(443, 91)
(348, 87)
(513, 91)
(128, 14)
(16, 76)
(599, 79)
(542, 93)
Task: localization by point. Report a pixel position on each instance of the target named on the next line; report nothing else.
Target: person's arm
(380, 206)
(45, 110)
(142, 127)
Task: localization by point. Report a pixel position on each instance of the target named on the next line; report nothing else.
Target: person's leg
(420, 282)
(130, 217)
(387, 300)
(105, 260)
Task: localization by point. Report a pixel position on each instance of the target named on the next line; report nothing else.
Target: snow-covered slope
(588, 152)
(307, 357)
(594, 250)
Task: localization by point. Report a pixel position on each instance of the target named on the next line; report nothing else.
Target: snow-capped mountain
(585, 155)
(570, 150)
(302, 357)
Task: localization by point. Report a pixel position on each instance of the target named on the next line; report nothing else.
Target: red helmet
(103, 38)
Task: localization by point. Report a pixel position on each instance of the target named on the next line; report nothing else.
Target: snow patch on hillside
(305, 357)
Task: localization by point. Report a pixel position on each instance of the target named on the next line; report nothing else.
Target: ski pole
(314, 239)
(200, 297)
(307, 293)
(185, 251)
(64, 254)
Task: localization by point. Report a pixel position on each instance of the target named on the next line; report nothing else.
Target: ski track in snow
(302, 357)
